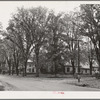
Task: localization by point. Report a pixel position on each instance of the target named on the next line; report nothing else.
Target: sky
(9, 7)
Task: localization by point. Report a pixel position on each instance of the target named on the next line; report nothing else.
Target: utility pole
(72, 59)
(91, 59)
(90, 56)
(78, 58)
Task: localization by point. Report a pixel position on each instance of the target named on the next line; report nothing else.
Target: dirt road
(14, 83)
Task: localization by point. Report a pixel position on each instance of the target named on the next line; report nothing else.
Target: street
(16, 83)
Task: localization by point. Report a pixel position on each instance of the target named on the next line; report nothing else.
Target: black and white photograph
(49, 46)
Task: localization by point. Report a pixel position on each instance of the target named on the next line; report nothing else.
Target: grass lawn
(86, 82)
(1, 88)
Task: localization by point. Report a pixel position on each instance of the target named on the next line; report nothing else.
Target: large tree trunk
(23, 70)
(9, 70)
(25, 64)
(98, 56)
(55, 66)
(37, 60)
(9, 65)
(91, 67)
(13, 68)
(63, 67)
(55, 41)
(73, 66)
(91, 63)
(37, 65)
(16, 62)
(17, 71)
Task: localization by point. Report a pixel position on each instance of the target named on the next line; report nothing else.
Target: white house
(84, 68)
(69, 68)
(30, 67)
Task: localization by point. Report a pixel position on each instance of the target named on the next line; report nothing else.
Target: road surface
(15, 83)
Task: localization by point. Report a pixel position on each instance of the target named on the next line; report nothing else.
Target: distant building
(84, 68)
(30, 67)
(69, 68)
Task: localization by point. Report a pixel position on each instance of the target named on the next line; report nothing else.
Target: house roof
(68, 64)
(29, 60)
(84, 66)
(95, 64)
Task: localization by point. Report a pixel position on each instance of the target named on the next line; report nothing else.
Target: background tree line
(51, 39)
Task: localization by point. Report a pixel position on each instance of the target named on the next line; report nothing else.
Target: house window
(76, 70)
(30, 70)
(68, 69)
(33, 70)
(30, 65)
(85, 71)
